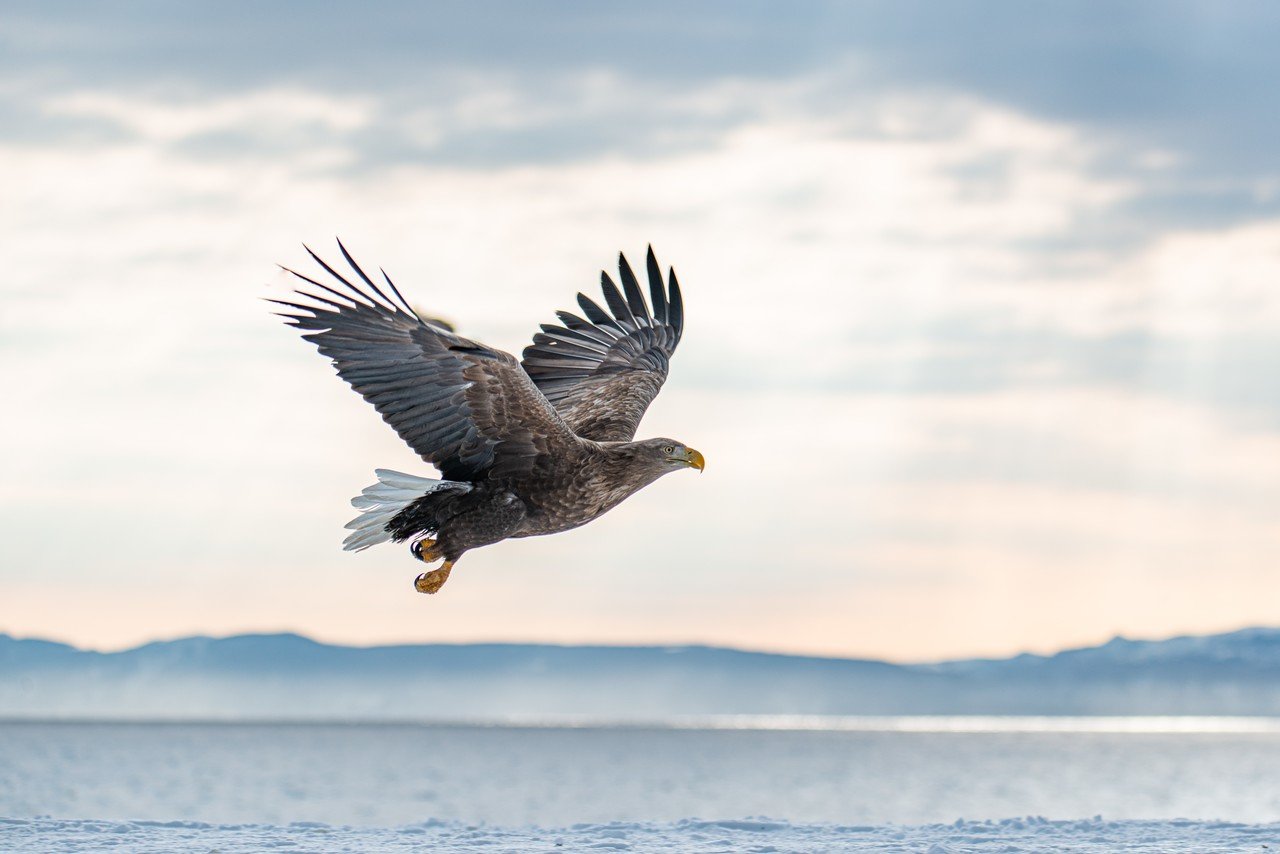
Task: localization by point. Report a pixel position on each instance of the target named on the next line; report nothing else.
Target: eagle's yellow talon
(425, 551)
(431, 582)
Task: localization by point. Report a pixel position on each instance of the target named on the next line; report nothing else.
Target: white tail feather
(387, 477)
(380, 502)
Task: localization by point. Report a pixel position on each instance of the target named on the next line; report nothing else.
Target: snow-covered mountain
(289, 676)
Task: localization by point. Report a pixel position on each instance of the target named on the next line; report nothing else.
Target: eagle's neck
(622, 469)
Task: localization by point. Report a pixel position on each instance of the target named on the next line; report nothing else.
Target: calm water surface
(894, 770)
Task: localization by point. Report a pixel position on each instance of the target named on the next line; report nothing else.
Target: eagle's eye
(668, 450)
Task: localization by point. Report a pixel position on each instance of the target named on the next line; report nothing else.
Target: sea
(558, 773)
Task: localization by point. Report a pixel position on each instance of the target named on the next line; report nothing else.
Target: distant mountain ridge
(288, 676)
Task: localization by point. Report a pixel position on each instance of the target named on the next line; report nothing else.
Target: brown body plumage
(525, 447)
(593, 480)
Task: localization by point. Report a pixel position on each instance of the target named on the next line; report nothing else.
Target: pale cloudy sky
(983, 337)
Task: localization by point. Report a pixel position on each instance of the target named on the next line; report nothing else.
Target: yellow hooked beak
(695, 460)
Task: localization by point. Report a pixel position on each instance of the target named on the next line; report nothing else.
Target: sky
(982, 313)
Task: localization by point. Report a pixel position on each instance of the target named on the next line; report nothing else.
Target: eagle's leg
(431, 582)
(429, 551)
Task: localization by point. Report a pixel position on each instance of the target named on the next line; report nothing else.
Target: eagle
(523, 447)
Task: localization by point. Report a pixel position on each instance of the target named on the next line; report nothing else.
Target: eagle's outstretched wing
(466, 408)
(602, 372)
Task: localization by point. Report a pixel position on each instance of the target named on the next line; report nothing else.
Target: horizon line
(915, 723)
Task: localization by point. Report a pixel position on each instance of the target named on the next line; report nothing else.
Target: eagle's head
(667, 455)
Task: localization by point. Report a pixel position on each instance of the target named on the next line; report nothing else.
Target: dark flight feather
(630, 287)
(617, 305)
(656, 290)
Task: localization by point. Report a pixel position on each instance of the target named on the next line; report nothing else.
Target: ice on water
(377, 787)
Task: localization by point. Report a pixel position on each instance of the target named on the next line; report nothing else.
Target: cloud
(1188, 78)
(935, 340)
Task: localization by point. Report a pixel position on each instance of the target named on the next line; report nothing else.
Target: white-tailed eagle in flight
(523, 447)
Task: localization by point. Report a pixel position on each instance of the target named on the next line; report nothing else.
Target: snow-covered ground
(1009, 836)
